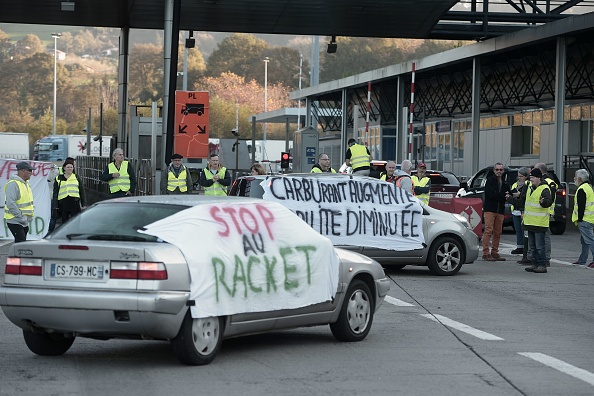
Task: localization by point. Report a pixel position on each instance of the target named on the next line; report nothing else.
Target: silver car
(450, 241)
(97, 277)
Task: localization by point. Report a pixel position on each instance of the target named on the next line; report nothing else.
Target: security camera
(235, 132)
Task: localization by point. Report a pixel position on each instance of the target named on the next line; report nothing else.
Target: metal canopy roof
(378, 18)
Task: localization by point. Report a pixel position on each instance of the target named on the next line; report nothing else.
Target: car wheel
(557, 227)
(198, 340)
(46, 344)
(445, 256)
(356, 314)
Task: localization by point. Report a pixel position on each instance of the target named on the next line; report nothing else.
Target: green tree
(5, 46)
(238, 54)
(28, 46)
(146, 73)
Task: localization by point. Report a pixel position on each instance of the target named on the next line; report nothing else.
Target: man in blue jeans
(583, 215)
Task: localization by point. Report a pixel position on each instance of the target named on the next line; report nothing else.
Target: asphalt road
(493, 329)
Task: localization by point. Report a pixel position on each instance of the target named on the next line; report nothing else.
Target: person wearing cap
(553, 187)
(178, 180)
(120, 175)
(359, 158)
(496, 190)
(583, 215)
(323, 165)
(422, 183)
(536, 219)
(18, 202)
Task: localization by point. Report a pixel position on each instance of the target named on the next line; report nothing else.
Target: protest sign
(352, 211)
(250, 257)
(41, 196)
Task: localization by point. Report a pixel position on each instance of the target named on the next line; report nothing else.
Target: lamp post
(266, 60)
(56, 36)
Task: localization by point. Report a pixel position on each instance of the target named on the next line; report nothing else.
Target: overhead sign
(191, 124)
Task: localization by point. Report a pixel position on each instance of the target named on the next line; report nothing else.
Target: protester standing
(546, 178)
(215, 178)
(496, 189)
(18, 202)
(68, 192)
(536, 220)
(583, 215)
(517, 189)
(422, 183)
(120, 175)
(178, 180)
(359, 158)
(323, 165)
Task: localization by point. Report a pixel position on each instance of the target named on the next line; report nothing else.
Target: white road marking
(462, 327)
(397, 302)
(506, 248)
(560, 365)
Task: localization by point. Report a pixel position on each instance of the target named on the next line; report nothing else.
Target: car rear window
(117, 219)
(438, 178)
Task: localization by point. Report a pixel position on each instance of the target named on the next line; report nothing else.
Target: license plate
(442, 195)
(76, 271)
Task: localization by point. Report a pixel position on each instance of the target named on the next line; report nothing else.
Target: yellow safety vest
(121, 183)
(318, 170)
(534, 214)
(179, 181)
(216, 188)
(549, 182)
(359, 156)
(589, 209)
(422, 183)
(68, 187)
(25, 201)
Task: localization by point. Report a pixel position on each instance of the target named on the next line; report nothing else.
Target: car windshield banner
(354, 211)
(250, 257)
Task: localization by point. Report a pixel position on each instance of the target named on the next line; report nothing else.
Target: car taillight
(23, 266)
(138, 270)
(561, 192)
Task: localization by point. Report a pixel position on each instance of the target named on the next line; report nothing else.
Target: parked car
(449, 239)
(97, 277)
(444, 184)
(475, 187)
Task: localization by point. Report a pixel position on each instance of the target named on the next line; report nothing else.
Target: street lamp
(56, 36)
(266, 60)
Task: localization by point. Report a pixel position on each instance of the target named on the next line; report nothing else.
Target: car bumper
(155, 315)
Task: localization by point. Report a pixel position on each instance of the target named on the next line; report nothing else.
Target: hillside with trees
(232, 70)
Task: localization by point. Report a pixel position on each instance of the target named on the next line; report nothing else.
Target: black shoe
(548, 264)
(517, 251)
(525, 261)
(530, 269)
(540, 270)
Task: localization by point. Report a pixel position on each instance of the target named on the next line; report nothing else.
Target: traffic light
(285, 160)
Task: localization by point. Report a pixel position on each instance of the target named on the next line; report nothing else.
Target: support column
(401, 120)
(476, 111)
(171, 43)
(560, 75)
(123, 72)
(344, 123)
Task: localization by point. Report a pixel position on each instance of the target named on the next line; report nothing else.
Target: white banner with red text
(250, 257)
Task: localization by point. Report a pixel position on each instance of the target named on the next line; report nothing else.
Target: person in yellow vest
(215, 178)
(536, 220)
(177, 179)
(68, 193)
(323, 165)
(422, 183)
(359, 158)
(388, 175)
(120, 176)
(583, 215)
(553, 187)
(18, 202)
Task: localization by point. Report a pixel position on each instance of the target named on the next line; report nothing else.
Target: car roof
(181, 199)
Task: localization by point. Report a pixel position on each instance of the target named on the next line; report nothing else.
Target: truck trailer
(59, 147)
(14, 145)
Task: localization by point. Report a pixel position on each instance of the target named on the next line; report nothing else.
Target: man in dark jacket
(496, 189)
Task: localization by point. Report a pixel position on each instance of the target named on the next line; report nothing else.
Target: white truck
(59, 147)
(14, 145)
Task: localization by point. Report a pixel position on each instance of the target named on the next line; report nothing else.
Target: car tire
(446, 256)
(356, 314)
(46, 344)
(198, 340)
(557, 227)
